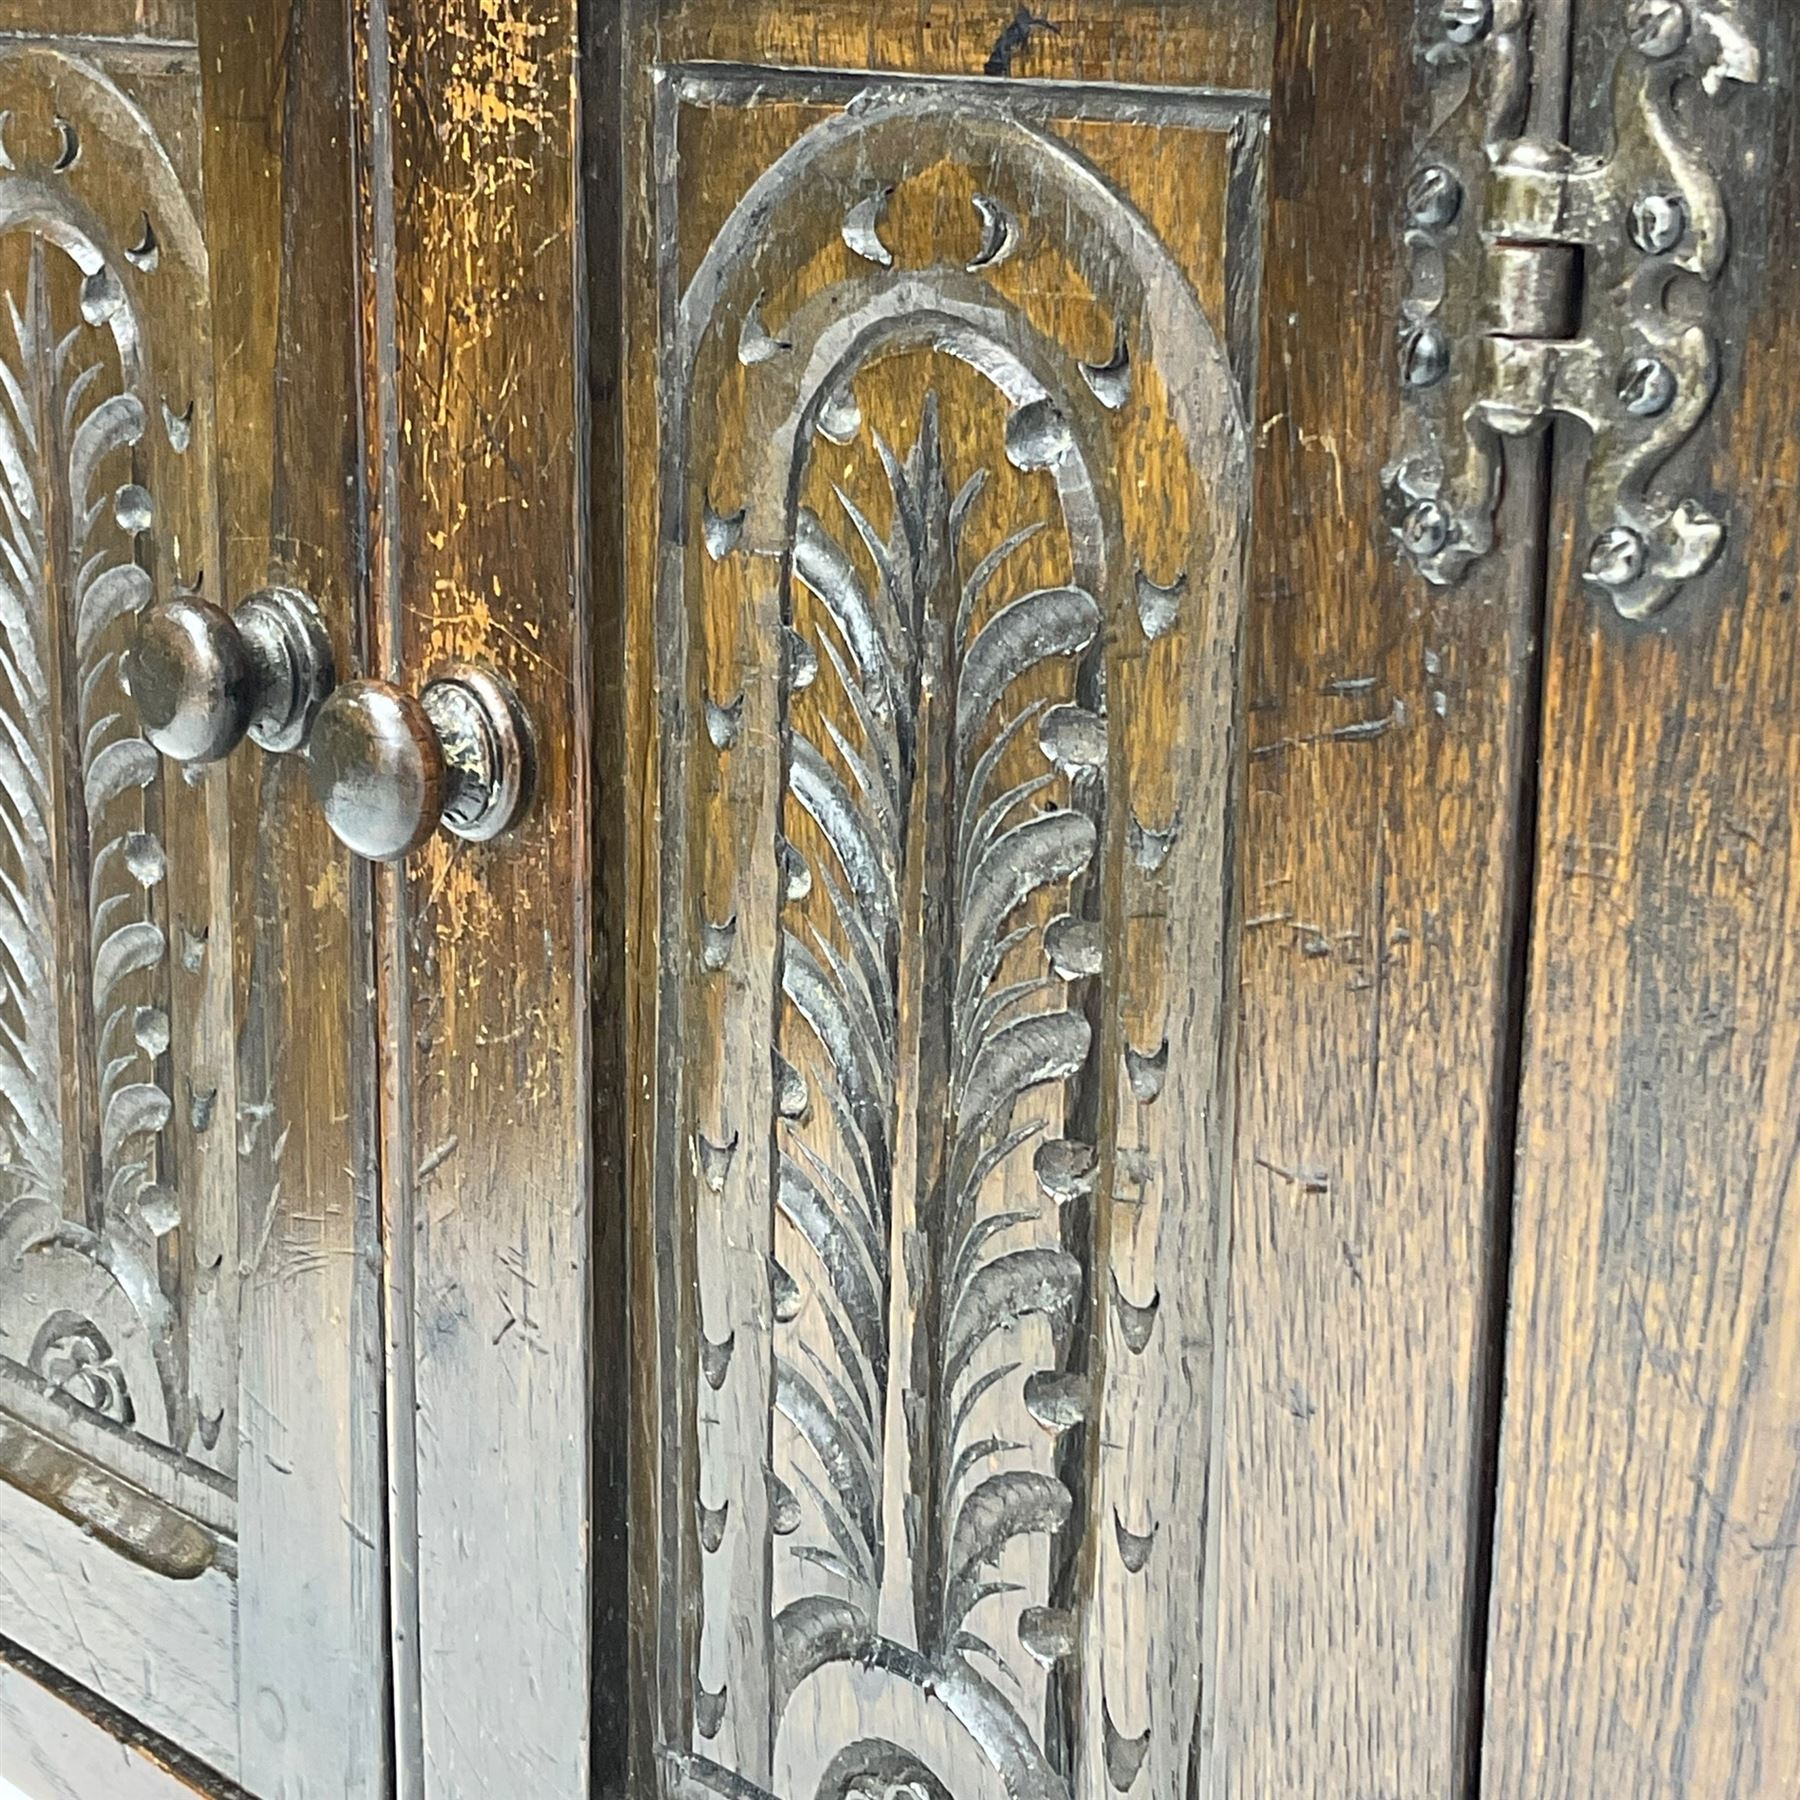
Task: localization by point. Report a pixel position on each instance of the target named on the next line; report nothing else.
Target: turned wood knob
(388, 769)
(190, 674)
(205, 679)
(377, 769)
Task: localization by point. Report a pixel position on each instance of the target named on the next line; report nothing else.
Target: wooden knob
(204, 679)
(192, 677)
(378, 770)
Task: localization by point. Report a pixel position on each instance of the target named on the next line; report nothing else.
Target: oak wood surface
(113, 1626)
(169, 22)
(311, 1614)
(474, 373)
(51, 1749)
(1189, 43)
(1645, 1624)
(721, 1483)
(1377, 897)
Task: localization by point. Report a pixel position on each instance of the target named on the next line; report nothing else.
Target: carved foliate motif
(947, 1061)
(98, 1248)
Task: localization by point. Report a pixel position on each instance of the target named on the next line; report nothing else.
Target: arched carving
(923, 587)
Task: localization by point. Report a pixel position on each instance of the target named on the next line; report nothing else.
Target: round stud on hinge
(1425, 357)
(1657, 28)
(1433, 197)
(1617, 558)
(388, 769)
(204, 679)
(1647, 387)
(1657, 223)
(1425, 530)
(1466, 21)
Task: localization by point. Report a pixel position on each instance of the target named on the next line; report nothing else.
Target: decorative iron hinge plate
(1541, 283)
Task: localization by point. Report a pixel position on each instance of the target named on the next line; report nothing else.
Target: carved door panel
(937, 489)
(1120, 1122)
(190, 1481)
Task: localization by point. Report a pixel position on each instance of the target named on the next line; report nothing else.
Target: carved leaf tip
(1073, 947)
(1145, 1070)
(711, 1520)
(1073, 739)
(756, 343)
(1150, 847)
(723, 722)
(1134, 1546)
(709, 1711)
(716, 942)
(1057, 1402)
(714, 1159)
(1159, 606)
(1047, 1633)
(1125, 1756)
(1064, 1169)
(1038, 435)
(1135, 1322)
(723, 531)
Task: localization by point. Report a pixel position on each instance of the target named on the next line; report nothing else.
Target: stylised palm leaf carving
(82, 1019)
(29, 1023)
(919, 1010)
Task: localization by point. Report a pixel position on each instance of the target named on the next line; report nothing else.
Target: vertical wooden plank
(478, 468)
(1646, 1623)
(311, 1613)
(1378, 893)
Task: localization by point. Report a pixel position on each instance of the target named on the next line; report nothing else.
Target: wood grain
(475, 399)
(311, 1613)
(760, 259)
(163, 1651)
(1378, 891)
(51, 1749)
(1175, 43)
(133, 23)
(1645, 1619)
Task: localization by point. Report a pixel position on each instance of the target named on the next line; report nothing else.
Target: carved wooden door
(192, 1497)
(1117, 1118)
(1208, 991)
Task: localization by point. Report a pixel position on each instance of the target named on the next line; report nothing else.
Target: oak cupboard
(1000, 1002)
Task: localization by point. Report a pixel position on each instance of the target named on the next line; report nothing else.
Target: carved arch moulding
(953, 489)
(118, 1212)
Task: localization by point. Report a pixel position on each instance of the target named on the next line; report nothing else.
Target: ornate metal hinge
(1541, 283)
